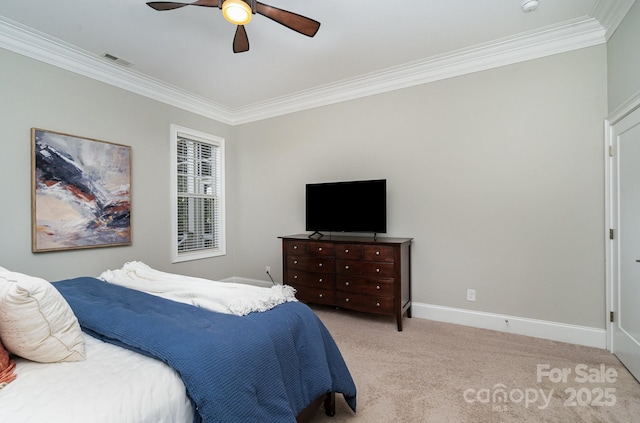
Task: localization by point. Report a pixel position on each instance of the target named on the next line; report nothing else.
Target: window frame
(180, 132)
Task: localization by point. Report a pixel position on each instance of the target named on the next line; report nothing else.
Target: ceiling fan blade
(240, 41)
(291, 20)
(170, 5)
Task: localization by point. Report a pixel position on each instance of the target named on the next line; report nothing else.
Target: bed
(151, 359)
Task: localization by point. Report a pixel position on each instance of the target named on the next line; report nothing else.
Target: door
(625, 216)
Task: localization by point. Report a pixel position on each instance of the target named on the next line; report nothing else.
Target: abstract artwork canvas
(81, 192)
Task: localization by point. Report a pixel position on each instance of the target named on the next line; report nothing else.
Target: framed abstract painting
(81, 192)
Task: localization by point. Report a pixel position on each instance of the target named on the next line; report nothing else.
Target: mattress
(112, 385)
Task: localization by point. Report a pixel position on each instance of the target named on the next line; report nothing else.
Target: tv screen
(354, 206)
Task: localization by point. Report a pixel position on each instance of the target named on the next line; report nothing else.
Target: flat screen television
(350, 206)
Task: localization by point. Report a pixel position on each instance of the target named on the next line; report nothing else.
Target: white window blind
(199, 195)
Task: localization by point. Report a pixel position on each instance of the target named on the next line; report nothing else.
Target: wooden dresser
(356, 273)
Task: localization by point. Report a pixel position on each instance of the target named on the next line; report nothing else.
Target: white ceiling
(363, 47)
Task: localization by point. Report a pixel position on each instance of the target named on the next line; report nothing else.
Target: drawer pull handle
(377, 270)
(346, 267)
(295, 276)
(295, 247)
(320, 280)
(346, 250)
(320, 295)
(319, 248)
(377, 304)
(295, 262)
(346, 283)
(377, 253)
(346, 301)
(319, 264)
(377, 286)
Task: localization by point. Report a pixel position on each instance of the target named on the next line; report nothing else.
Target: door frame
(611, 198)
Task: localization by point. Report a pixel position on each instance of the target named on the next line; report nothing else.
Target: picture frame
(80, 192)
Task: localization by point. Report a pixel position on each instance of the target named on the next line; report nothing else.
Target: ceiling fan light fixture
(236, 11)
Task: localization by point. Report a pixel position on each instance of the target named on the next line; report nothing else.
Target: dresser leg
(399, 317)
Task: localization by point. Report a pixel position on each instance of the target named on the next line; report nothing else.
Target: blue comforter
(263, 367)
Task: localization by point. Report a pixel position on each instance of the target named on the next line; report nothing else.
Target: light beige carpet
(440, 372)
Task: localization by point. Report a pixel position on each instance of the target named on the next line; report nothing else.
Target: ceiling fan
(239, 12)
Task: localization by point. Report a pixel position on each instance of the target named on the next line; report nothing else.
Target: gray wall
(623, 59)
(498, 177)
(39, 95)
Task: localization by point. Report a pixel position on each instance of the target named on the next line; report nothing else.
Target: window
(197, 178)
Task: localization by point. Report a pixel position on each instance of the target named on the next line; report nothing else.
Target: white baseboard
(562, 332)
(574, 334)
(248, 281)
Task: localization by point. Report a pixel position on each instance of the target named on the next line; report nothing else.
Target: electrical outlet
(267, 269)
(471, 294)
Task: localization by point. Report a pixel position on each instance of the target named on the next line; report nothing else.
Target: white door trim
(611, 220)
(610, 267)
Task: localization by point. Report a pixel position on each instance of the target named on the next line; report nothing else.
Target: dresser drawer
(365, 268)
(311, 264)
(377, 253)
(315, 280)
(315, 248)
(369, 286)
(368, 303)
(316, 295)
(349, 251)
(297, 248)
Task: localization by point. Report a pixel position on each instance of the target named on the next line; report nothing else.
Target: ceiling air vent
(117, 60)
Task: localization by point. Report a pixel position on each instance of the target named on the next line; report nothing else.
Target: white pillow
(36, 322)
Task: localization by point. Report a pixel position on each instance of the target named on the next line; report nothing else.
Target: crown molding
(37, 45)
(580, 33)
(610, 14)
(572, 35)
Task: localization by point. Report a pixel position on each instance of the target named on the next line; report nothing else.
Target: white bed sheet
(112, 385)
